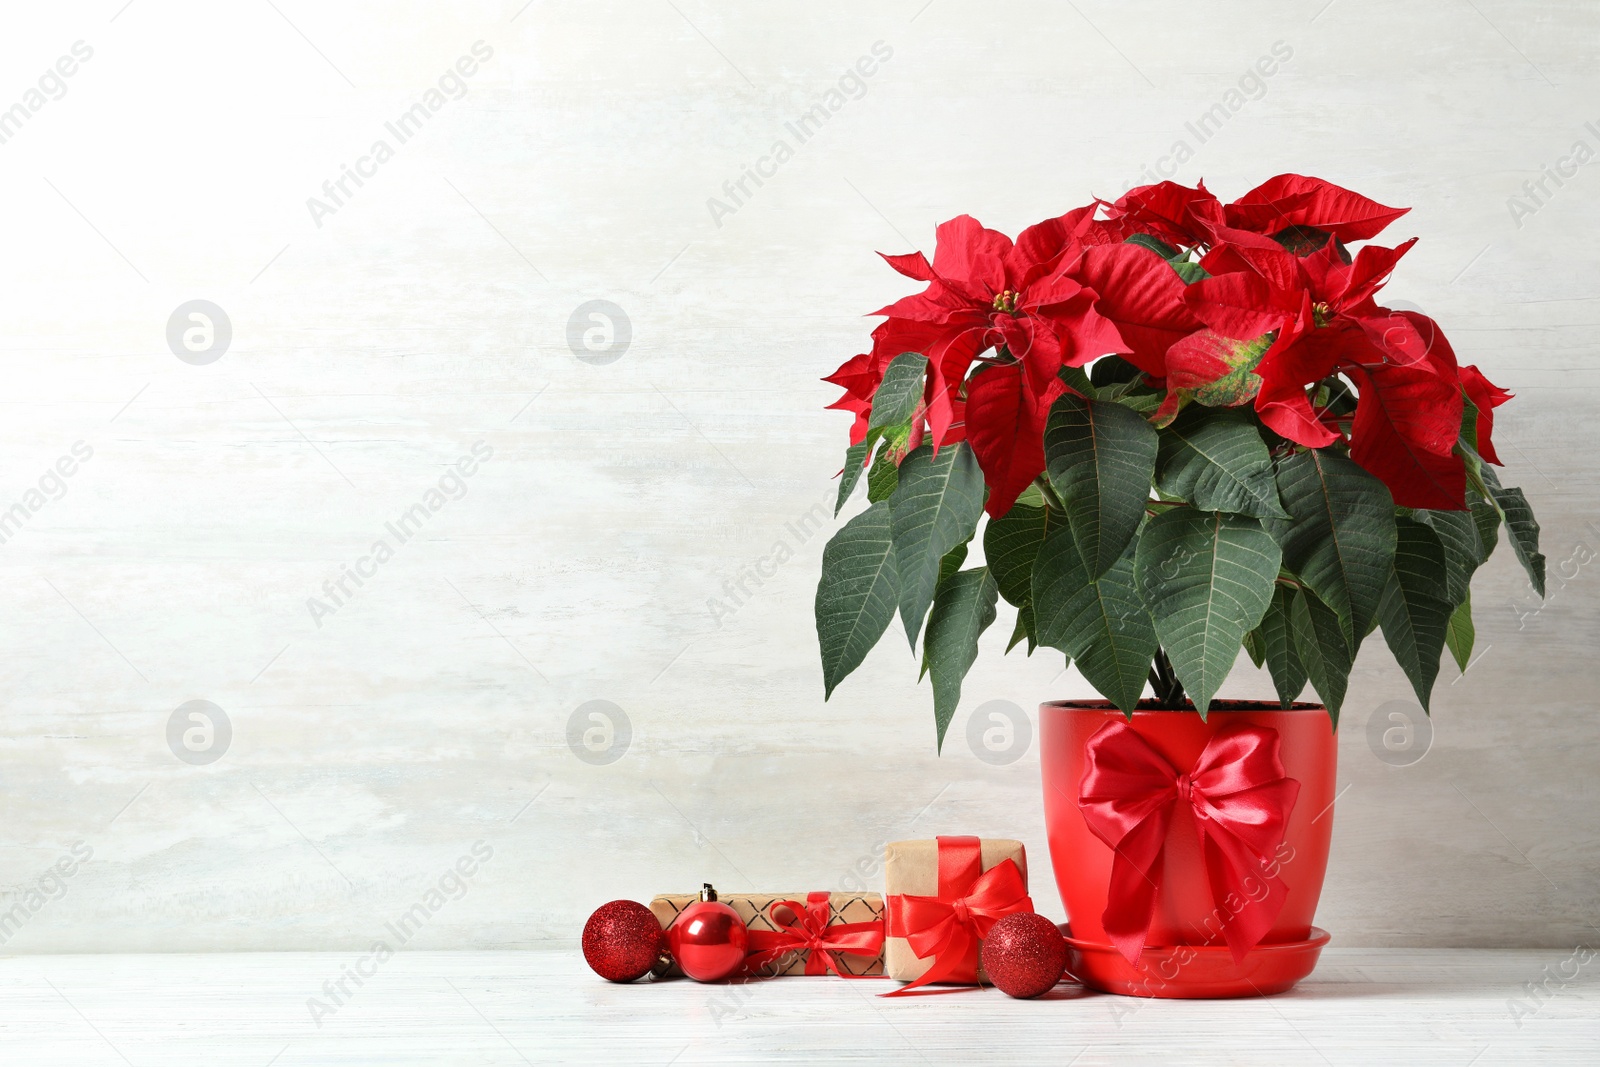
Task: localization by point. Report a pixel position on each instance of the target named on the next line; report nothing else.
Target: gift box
(835, 922)
(942, 896)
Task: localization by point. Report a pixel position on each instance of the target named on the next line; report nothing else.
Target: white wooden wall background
(429, 314)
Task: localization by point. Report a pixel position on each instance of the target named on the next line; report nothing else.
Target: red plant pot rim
(1146, 707)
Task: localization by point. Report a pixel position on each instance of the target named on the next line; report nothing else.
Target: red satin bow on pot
(808, 931)
(1241, 802)
(950, 926)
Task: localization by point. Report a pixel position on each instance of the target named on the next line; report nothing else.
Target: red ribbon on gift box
(950, 926)
(1241, 802)
(806, 930)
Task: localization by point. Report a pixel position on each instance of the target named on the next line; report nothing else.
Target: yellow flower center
(1006, 301)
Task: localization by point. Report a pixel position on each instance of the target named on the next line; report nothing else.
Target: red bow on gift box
(807, 930)
(1241, 801)
(949, 927)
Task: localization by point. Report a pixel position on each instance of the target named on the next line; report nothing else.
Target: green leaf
(1277, 644)
(895, 408)
(856, 594)
(1487, 518)
(884, 475)
(1461, 634)
(1463, 551)
(1100, 624)
(899, 394)
(1206, 578)
(1304, 240)
(1217, 461)
(1177, 260)
(1340, 537)
(1144, 403)
(1154, 244)
(1077, 380)
(952, 561)
(962, 610)
(1319, 641)
(1334, 397)
(935, 508)
(1010, 544)
(1469, 422)
(1511, 507)
(1023, 629)
(1032, 497)
(1412, 612)
(1252, 646)
(1108, 371)
(1522, 529)
(855, 461)
(1100, 458)
(1475, 469)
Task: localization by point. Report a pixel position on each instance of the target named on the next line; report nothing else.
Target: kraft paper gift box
(755, 910)
(912, 868)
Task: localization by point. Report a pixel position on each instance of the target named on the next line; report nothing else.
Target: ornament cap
(707, 891)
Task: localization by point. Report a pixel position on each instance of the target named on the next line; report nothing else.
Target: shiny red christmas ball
(1024, 954)
(622, 941)
(708, 940)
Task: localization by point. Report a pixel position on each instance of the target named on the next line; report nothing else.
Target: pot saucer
(1194, 972)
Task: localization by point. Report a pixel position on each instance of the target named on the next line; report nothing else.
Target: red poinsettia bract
(999, 320)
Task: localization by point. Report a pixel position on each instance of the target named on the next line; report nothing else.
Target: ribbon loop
(806, 930)
(1241, 800)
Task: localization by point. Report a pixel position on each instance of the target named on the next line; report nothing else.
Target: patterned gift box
(755, 910)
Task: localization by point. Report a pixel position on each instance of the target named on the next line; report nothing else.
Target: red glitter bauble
(1024, 954)
(708, 941)
(622, 941)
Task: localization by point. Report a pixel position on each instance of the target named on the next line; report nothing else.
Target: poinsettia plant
(1192, 428)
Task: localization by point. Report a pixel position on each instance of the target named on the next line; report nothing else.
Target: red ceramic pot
(1180, 960)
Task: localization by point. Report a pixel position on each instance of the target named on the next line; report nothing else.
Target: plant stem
(1049, 492)
(1164, 680)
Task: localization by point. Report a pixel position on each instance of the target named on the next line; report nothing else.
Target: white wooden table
(1363, 1006)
